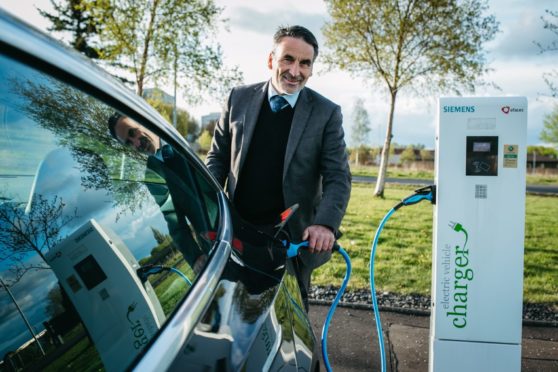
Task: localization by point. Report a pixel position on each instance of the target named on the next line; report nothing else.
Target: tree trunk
(175, 82)
(140, 75)
(384, 160)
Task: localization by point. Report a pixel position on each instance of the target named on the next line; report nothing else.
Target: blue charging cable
(145, 271)
(424, 193)
(325, 328)
(181, 274)
(292, 251)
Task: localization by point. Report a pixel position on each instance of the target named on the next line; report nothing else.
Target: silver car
(116, 257)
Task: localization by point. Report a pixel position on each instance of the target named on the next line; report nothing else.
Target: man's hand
(320, 238)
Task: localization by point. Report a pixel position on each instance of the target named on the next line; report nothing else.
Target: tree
(361, 125)
(549, 133)
(35, 229)
(407, 44)
(542, 151)
(195, 63)
(152, 37)
(160, 238)
(74, 118)
(55, 302)
(426, 155)
(210, 126)
(186, 125)
(205, 140)
(551, 78)
(408, 155)
(73, 16)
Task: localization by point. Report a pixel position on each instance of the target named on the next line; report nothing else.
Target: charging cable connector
(424, 193)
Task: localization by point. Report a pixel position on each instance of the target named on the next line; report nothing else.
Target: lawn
(404, 255)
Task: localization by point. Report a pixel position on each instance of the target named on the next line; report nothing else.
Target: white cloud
(520, 33)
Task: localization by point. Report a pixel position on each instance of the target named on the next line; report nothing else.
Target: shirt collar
(291, 98)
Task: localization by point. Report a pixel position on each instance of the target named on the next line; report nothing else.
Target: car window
(100, 238)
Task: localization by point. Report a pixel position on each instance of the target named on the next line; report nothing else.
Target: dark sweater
(259, 192)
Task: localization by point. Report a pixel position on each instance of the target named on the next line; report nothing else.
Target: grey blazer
(316, 172)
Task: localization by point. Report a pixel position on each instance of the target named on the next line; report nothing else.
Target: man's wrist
(336, 233)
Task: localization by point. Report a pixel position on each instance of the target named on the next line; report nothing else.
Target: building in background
(156, 93)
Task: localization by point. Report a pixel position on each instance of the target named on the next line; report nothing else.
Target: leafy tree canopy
(153, 40)
(186, 125)
(408, 154)
(73, 16)
(424, 45)
(549, 133)
(402, 41)
(154, 37)
(550, 21)
(542, 151)
(205, 140)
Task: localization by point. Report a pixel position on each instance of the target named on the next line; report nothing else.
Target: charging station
(479, 228)
(98, 272)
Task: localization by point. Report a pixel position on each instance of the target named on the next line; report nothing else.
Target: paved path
(353, 344)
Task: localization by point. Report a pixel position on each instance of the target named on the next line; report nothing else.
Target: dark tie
(278, 103)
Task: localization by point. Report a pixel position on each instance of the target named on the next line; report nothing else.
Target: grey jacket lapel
(303, 109)
(253, 107)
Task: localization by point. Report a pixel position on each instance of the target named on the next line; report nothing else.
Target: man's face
(132, 134)
(291, 65)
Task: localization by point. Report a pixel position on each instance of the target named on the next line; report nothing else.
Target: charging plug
(424, 193)
(145, 271)
(293, 248)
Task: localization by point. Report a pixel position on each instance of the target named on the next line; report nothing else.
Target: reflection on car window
(99, 242)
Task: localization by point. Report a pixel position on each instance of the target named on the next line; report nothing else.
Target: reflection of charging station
(479, 218)
(99, 274)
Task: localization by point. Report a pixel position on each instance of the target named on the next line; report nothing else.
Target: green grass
(404, 254)
(393, 172)
(82, 357)
(171, 290)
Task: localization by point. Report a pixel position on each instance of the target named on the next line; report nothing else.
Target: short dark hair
(298, 32)
(112, 121)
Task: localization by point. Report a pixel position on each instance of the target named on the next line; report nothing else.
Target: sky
(516, 63)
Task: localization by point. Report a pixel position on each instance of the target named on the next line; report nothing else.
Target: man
(130, 133)
(183, 202)
(271, 160)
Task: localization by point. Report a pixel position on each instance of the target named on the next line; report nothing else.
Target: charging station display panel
(90, 272)
(482, 156)
(479, 219)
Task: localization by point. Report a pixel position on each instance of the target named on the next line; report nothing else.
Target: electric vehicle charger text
(462, 274)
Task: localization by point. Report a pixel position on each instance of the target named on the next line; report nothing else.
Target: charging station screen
(90, 272)
(482, 156)
(481, 147)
